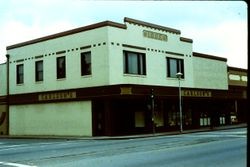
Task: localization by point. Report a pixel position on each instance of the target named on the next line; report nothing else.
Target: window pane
(142, 62)
(86, 63)
(19, 74)
(61, 67)
(180, 67)
(39, 71)
(132, 63)
(173, 67)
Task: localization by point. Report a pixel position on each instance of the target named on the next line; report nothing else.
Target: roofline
(186, 40)
(99, 25)
(129, 20)
(69, 32)
(202, 55)
(237, 69)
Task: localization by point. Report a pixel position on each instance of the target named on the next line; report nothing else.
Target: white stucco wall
(156, 65)
(3, 80)
(107, 61)
(210, 73)
(96, 38)
(65, 119)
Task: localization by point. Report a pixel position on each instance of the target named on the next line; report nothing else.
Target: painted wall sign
(57, 96)
(155, 35)
(196, 93)
(126, 90)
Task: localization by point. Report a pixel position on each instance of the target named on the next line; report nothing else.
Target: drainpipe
(8, 90)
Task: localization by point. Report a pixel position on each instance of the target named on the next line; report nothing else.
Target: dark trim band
(134, 47)
(174, 53)
(19, 60)
(186, 40)
(195, 54)
(38, 57)
(85, 47)
(119, 91)
(3, 99)
(61, 52)
(237, 69)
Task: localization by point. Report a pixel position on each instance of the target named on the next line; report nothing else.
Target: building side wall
(3, 80)
(60, 119)
(209, 73)
(70, 46)
(237, 77)
(155, 50)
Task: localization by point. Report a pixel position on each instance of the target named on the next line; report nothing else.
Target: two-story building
(110, 78)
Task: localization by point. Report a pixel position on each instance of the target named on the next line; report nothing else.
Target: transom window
(134, 63)
(174, 66)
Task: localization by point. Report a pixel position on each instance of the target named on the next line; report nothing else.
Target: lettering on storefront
(196, 93)
(57, 96)
(155, 35)
(126, 90)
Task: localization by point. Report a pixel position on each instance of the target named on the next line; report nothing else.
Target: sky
(217, 28)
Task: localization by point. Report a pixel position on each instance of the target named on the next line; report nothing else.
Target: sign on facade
(155, 35)
(196, 93)
(56, 96)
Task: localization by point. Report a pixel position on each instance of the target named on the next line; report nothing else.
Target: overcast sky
(217, 27)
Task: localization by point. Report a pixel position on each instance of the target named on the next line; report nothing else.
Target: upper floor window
(86, 63)
(134, 63)
(19, 74)
(174, 66)
(60, 67)
(39, 70)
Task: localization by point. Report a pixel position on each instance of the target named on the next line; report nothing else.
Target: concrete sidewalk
(205, 129)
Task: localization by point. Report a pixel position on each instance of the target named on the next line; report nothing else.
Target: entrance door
(98, 118)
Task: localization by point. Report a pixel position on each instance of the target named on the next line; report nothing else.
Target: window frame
(179, 67)
(39, 72)
(86, 69)
(19, 73)
(61, 71)
(140, 63)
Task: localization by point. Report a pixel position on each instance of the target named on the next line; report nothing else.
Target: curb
(128, 136)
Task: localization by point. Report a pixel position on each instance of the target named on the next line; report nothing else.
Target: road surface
(224, 148)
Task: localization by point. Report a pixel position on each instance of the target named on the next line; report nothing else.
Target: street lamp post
(179, 75)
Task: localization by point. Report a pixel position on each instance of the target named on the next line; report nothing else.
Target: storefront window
(173, 116)
(188, 117)
(205, 120)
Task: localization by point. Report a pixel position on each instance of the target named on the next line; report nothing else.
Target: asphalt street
(224, 148)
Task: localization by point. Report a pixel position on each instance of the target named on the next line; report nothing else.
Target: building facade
(116, 79)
